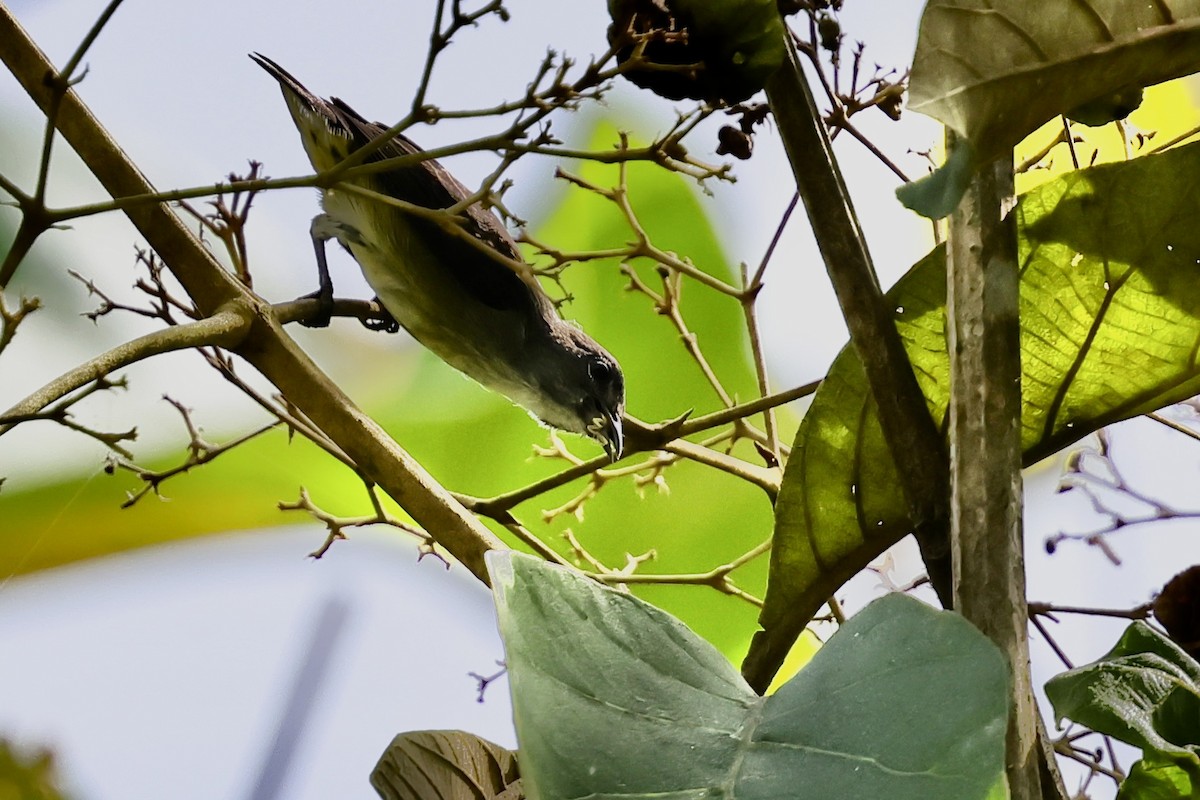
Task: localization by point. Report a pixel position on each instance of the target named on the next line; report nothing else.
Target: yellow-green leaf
(1110, 329)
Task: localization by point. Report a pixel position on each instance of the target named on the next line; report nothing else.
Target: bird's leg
(322, 230)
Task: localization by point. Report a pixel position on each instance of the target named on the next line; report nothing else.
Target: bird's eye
(599, 371)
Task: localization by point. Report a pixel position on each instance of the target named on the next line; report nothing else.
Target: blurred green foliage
(27, 775)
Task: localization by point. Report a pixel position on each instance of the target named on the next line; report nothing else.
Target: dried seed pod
(733, 142)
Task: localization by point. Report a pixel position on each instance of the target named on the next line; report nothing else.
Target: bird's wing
(431, 185)
(426, 184)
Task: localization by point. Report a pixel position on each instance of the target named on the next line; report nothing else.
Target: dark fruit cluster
(719, 53)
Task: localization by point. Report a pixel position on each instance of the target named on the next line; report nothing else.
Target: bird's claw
(382, 320)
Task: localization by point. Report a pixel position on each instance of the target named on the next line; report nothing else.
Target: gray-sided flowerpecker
(491, 322)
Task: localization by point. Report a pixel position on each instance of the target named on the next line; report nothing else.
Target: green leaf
(1141, 638)
(446, 765)
(999, 790)
(1109, 108)
(995, 70)
(612, 697)
(1110, 321)
(1157, 778)
(937, 194)
(1144, 692)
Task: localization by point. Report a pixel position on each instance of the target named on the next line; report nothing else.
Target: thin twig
(225, 328)
(200, 452)
(336, 525)
(751, 288)
(643, 437)
(717, 577)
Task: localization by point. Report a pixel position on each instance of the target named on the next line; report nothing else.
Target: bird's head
(583, 390)
(604, 404)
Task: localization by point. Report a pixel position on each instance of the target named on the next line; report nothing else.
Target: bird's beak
(606, 429)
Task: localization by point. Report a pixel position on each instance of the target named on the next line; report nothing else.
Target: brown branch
(985, 446)
(1142, 611)
(11, 320)
(913, 439)
(667, 305)
(751, 288)
(764, 478)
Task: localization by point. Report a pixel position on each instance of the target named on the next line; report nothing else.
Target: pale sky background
(164, 672)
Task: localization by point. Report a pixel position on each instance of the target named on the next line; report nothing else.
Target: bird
(491, 322)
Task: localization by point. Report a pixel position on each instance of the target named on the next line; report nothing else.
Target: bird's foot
(324, 312)
(382, 320)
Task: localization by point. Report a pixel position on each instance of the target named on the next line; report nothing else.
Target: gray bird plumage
(480, 316)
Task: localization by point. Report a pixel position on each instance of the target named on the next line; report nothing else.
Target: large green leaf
(1145, 692)
(994, 70)
(614, 698)
(1110, 328)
